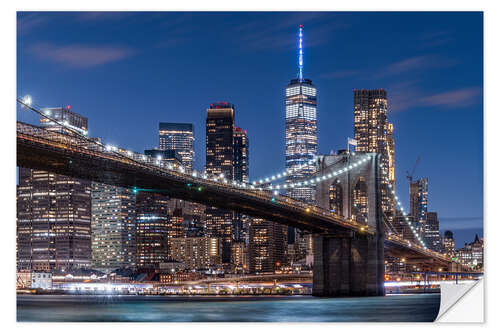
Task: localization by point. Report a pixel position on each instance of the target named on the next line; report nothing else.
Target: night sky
(128, 71)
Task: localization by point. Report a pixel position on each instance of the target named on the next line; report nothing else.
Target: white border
(8, 92)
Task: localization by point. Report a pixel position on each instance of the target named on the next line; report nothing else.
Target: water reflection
(415, 308)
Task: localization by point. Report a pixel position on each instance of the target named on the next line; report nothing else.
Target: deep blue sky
(128, 71)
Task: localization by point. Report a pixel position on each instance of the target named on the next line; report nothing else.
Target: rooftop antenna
(301, 62)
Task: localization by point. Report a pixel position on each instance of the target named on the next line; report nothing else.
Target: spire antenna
(301, 53)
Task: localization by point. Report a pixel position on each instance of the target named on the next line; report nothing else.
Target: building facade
(178, 137)
(267, 246)
(432, 235)
(418, 203)
(374, 134)
(301, 138)
(113, 227)
(220, 163)
(472, 254)
(197, 253)
(241, 145)
(449, 243)
(151, 230)
(54, 211)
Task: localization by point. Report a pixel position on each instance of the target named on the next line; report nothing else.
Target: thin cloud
(274, 33)
(456, 98)
(102, 16)
(26, 22)
(340, 74)
(435, 38)
(80, 56)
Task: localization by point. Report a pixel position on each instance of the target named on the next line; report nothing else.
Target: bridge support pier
(348, 265)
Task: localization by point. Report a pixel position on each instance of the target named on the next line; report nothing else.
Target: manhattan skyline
(127, 72)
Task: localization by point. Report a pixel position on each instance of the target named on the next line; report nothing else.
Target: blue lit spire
(301, 61)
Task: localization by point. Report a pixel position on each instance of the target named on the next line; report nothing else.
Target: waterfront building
(432, 236)
(418, 203)
(41, 280)
(113, 227)
(374, 134)
(178, 137)
(239, 257)
(151, 230)
(220, 163)
(449, 243)
(175, 224)
(196, 252)
(54, 211)
(472, 254)
(267, 246)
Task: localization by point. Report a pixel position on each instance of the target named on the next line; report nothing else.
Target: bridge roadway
(80, 157)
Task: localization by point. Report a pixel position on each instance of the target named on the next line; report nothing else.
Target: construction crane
(409, 176)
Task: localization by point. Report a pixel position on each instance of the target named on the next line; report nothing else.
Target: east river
(393, 308)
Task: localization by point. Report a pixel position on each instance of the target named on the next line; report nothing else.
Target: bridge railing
(164, 168)
(74, 141)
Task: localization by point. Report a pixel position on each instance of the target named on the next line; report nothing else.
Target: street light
(27, 100)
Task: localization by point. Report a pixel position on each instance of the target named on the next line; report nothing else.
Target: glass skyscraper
(374, 134)
(113, 227)
(178, 137)
(54, 211)
(301, 138)
(418, 203)
(220, 160)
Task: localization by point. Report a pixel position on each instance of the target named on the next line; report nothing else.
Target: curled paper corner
(462, 303)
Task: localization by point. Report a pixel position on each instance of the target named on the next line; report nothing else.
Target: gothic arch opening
(335, 195)
(359, 209)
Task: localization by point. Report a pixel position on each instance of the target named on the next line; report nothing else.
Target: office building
(54, 211)
(113, 227)
(178, 137)
(239, 257)
(151, 230)
(196, 252)
(301, 138)
(374, 134)
(267, 246)
(418, 203)
(432, 236)
(220, 163)
(472, 254)
(241, 174)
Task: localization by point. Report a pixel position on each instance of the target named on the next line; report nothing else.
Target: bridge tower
(350, 263)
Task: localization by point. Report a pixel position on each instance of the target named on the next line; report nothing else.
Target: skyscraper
(301, 139)
(180, 138)
(220, 162)
(113, 227)
(418, 203)
(54, 211)
(241, 174)
(374, 134)
(432, 236)
(151, 230)
(267, 245)
(241, 155)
